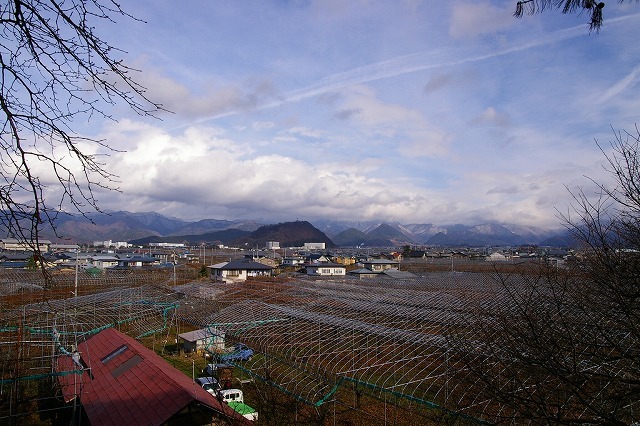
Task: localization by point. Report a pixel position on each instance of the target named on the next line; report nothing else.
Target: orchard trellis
(42, 319)
(384, 338)
(325, 343)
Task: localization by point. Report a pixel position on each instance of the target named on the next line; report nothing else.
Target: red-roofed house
(125, 383)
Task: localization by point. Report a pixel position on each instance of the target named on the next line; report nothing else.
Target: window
(126, 366)
(111, 355)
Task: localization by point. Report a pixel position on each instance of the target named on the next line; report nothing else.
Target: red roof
(128, 384)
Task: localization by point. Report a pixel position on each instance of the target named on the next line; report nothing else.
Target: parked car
(231, 395)
(215, 370)
(240, 352)
(210, 384)
(222, 372)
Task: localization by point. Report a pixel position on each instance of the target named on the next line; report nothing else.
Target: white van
(231, 395)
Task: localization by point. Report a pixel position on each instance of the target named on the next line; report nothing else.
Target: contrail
(621, 85)
(420, 61)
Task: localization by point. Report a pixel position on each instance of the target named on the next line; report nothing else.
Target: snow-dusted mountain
(429, 234)
(126, 226)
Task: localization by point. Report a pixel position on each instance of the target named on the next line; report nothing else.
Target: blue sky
(398, 111)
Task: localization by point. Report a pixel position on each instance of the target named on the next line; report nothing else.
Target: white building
(109, 243)
(167, 245)
(273, 245)
(13, 244)
(205, 339)
(326, 269)
(64, 247)
(314, 246)
(496, 257)
(102, 261)
(292, 261)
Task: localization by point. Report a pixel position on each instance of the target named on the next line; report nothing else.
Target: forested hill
(288, 234)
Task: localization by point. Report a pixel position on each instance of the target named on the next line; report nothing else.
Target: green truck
(235, 399)
(246, 411)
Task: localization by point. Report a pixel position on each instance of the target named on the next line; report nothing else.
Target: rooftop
(126, 383)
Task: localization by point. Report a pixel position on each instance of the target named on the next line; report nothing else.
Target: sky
(402, 111)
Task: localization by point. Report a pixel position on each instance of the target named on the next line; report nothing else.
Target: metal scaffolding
(385, 338)
(42, 318)
(318, 341)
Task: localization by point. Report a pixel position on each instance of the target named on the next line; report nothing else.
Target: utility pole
(75, 286)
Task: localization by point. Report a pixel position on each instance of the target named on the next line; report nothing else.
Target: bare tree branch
(54, 69)
(562, 345)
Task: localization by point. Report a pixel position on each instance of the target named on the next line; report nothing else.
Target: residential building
(418, 254)
(102, 261)
(292, 261)
(64, 247)
(387, 273)
(345, 260)
(317, 258)
(208, 339)
(364, 273)
(115, 380)
(238, 270)
(378, 265)
(136, 261)
(314, 246)
(21, 260)
(13, 244)
(325, 269)
(497, 257)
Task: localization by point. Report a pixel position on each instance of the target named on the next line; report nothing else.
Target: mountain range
(141, 228)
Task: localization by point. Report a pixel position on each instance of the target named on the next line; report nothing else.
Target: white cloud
(203, 170)
(411, 134)
(210, 97)
(491, 117)
(262, 125)
(472, 18)
(367, 110)
(304, 131)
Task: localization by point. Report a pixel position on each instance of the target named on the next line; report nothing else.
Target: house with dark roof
(15, 259)
(379, 265)
(136, 261)
(115, 380)
(102, 261)
(386, 273)
(22, 260)
(317, 257)
(398, 274)
(364, 273)
(238, 270)
(292, 261)
(418, 254)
